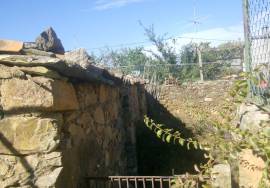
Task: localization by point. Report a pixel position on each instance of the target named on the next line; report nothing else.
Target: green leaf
(206, 156)
(163, 137)
(266, 132)
(181, 141)
(188, 146)
(196, 168)
(159, 133)
(195, 145)
(168, 138)
(200, 146)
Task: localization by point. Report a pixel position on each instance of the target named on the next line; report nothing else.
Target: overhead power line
(122, 45)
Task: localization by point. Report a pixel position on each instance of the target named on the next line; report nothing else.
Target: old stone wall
(55, 131)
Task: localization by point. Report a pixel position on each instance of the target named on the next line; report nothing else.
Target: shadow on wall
(21, 158)
(158, 158)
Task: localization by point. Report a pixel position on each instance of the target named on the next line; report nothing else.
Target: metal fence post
(256, 18)
(247, 50)
(200, 62)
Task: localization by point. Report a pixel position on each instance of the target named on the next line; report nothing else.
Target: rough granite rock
(49, 180)
(10, 72)
(92, 74)
(29, 60)
(48, 41)
(22, 171)
(86, 95)
(37, 94)
(26, 135)
(32, 51)
(78, 57)
(99, 115)
(41, 71)
(221, 176)
(252, 117)
(251, 168)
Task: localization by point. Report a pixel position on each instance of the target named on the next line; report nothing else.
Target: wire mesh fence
(257, 48)
(180, 73)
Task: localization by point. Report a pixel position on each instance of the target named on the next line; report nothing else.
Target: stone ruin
(62, 117)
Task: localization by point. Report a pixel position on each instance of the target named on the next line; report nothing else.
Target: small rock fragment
(207, 99)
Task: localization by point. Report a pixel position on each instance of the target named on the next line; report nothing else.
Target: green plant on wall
(222, 148)
(226, 141)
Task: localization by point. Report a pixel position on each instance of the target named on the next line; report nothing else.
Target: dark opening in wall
(156, 157)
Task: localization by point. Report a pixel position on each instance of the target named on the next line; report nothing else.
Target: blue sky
(97, 23)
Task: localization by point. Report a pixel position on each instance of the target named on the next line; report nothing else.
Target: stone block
(221, 176)
(41, 71)
(112, 110)
(10, 46)
(99, 115)
(50, 179)
(103, 93)
(23, 171)
(78, 57)
(86, 95)
(93, 73)
(32, 51)
(25, 135)
(10, 72)
(38, 94)
(252, 117)
(250, 169)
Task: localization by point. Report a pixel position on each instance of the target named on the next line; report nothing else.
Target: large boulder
(26, 135)
(38, 94)
(79, 58)
(48, 41)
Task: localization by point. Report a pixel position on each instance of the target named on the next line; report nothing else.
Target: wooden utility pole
(200, 62)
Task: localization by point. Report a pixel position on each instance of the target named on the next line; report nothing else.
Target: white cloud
(109, 4)
(215, 36)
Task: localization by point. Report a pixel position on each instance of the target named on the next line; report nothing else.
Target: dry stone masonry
(63, 118)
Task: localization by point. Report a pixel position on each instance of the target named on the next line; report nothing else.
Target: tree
(165, 57)
(188, 56)
(128, 60)
(166, 53)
